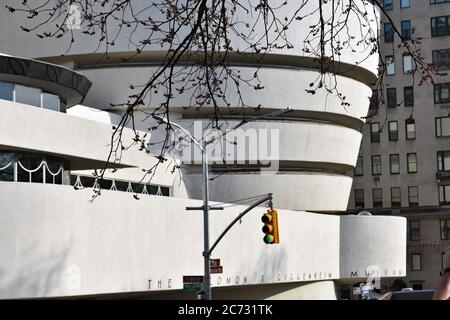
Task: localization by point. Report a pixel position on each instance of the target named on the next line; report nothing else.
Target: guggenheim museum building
(136, 240)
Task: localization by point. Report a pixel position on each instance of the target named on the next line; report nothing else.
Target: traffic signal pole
(206, 254)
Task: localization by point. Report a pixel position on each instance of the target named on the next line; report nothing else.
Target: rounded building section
(312, 147)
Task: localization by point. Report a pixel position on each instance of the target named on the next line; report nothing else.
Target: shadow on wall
(37, 275)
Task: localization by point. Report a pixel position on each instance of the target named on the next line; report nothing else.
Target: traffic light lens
(266, 218)
(267, 228)
(268, 239)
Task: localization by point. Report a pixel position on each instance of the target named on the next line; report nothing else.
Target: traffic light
(270, 220)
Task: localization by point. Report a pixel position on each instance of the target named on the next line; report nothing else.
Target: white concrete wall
(16, 42)
(292, 190)
(84, 142)
(54, 242)
(282, 88)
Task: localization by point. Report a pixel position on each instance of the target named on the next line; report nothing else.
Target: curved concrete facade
(326, 142)
(56, 243)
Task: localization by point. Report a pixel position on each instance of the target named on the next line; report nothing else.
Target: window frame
(391, 93)
(410, 203)
(391, 135)
(398, 203)
(408, 163)
(356, 199)
(380, 166)
(410, 122)
(391, 156)
(410, 229)
(380, 200)
(375, 136)
(412, 261)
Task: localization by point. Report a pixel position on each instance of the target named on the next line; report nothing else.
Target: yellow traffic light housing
(270, 228)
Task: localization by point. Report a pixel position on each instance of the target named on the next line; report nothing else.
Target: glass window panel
(152, 189)
(416, 262)
(6, 166)
(377, 198)
(87, 182)
(50, 101)
(413, 196)
(105, 184)
(165, 191)
(376, 165)
(406, 29)
(390, 65)
(395, 197)
(410, 129)
(121, 186)
(409, 96)
(405, 4)
(407, 64)
(137, 187)
(391, 97)
(445, 127)
(28, 95)
(6, 91)
(412, 163)
(395, 163)
(359, 169)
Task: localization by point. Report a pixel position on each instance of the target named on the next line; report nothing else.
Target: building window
(408, 93)
(440, 26)
(394, 160)
(443, 127)
(6, 91)
(444, 195)
(359, 169)
(441, 93)
(7, 164)
(441, 59)
(27, 95)
(50, 101)
(374, 100)
(416, 262)
(30, 96)
(390, 65)
(443, 159)
(445, 229)
(388, 5)
(405, 4)
(412, 162)
(377, 198)
(407, 63)
(29, 167)
(438, 1)
(376, 165)
(388, 32)
(375, 132)
(413, 196)
(396, 197)
(359, 198)
(410, 129)
(393, 130)
(406, 29)
(414, 230)
(391, 97)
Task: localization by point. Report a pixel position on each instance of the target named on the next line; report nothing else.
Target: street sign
(218, 269)
(193, 287)
(192, 279)
(213, 263)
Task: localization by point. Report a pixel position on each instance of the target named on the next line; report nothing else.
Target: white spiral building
(55, 243)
